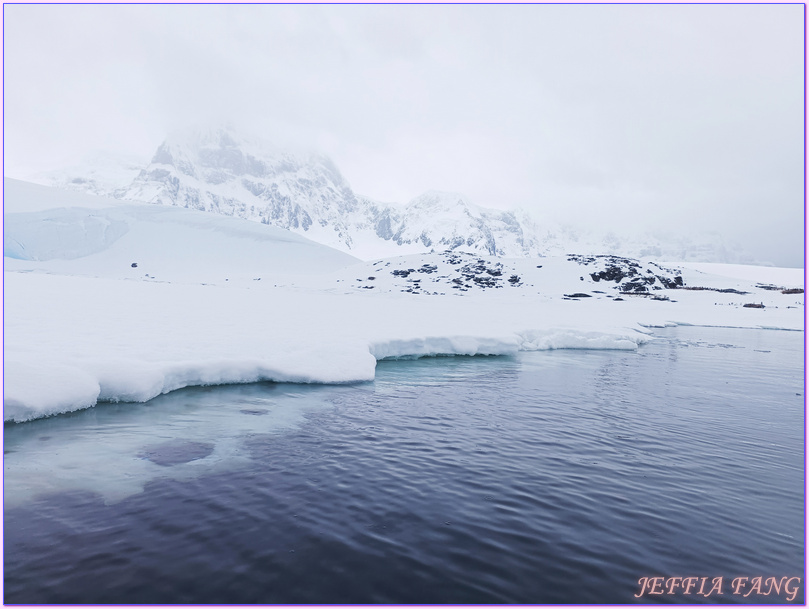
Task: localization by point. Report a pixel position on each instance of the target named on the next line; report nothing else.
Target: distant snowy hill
(447, 221)
(78, 234)
(221, 171)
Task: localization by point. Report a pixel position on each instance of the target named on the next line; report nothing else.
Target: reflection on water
(549, 477)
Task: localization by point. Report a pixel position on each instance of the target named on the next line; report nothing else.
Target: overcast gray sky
(684, 116)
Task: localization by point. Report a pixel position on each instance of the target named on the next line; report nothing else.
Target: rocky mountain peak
(222, 170)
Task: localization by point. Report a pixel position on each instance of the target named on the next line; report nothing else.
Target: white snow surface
(217, 300)
(94, 236)
(21, 197)
(757, 274)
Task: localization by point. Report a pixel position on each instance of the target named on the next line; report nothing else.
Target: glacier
(220, 170)
(109, 300)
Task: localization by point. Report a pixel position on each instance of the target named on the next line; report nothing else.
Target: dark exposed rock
(792, 291)
(698, 288)
(134, 265)
(485, 281)
(578, 295)
(753, 305)
(639, 284)
(614, 273)
(580, 259)
(671, 284)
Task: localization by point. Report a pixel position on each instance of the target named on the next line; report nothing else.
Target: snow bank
(444, 345)
(112, 302)
(538, 340)
(61, 233)
(752, 273)
(527, 340)
(34, 389)
(73, 341)
(37, 390)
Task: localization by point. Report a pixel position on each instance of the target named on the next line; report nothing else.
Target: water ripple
(545, 478)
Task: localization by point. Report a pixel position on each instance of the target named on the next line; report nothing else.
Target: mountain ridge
(221, 171)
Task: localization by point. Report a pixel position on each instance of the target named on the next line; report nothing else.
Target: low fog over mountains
(221, 171)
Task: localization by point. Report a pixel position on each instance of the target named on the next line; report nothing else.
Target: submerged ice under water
(561, 476)
(115, 449)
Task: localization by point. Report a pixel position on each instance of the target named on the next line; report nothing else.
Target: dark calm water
(551, 477)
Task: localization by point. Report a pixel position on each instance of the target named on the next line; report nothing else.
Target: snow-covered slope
(221, 171)
(21, 197)
(448, 221)
(79, 234)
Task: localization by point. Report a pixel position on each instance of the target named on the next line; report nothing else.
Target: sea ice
(112, 302)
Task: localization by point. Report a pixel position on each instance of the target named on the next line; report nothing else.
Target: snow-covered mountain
(226, 173)
(448, 221)
(221, 171)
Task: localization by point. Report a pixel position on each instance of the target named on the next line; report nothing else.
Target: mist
(680, 118)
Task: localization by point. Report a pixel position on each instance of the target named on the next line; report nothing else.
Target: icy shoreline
(114, 340)
(74, 341)
(112, 302)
